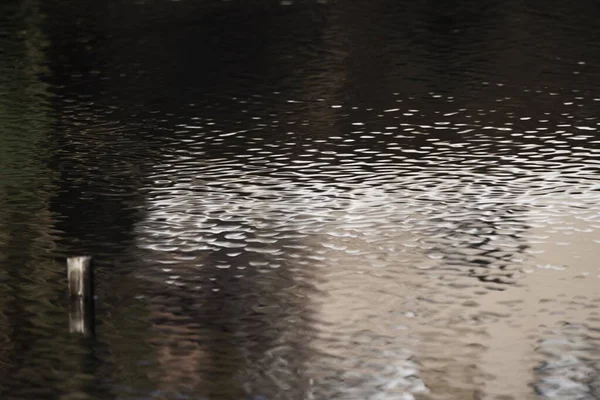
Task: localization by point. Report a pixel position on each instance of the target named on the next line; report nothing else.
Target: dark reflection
(32, 309)
(229, 323)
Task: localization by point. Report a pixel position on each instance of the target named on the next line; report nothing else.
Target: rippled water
(301, 199)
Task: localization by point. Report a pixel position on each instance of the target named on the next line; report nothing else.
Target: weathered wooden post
(81, 295)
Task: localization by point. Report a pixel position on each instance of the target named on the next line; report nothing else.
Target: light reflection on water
(299, 203)
(394, 264)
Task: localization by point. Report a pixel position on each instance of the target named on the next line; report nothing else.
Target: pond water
(307, 199)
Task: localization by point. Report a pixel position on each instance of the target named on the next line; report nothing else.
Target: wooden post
(81, 295)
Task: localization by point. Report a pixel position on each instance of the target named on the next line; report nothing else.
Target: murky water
(301, 199)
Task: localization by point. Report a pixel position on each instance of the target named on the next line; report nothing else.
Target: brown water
(301, 199)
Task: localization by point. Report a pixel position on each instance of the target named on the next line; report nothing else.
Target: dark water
(301, 200)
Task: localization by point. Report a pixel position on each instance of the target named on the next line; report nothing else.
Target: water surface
(301, 199)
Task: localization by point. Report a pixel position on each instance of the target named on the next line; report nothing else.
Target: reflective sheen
(301, 199)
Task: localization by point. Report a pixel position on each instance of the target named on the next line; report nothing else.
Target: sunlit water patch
(423, 247)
